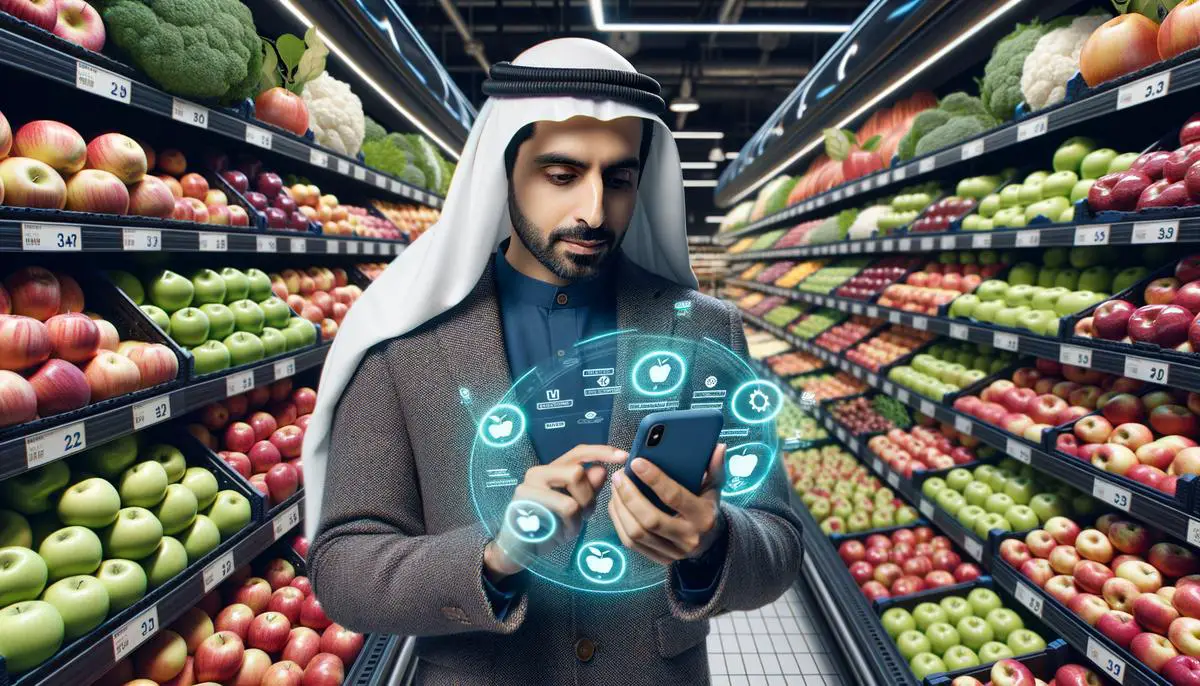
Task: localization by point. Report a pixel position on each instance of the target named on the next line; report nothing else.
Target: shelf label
(396, 187)
(893, 479)
(1029, 239)
(1147, 370)
(217, 571)
(298, 245)
(56, 443)
(318, 157)
(368, 248)
(871, 245)
(973, 547)
(1032, 128)
(872, 379)
(837, 195)
(1104, 659)
(236, 384)
(1112, 494)
(872, 311)
(285, 368)
(260, 137)
(926, 508)
(1144, 90)
(959, 331)
(189, 113)
(972, 149)
(1092, 235)
(214, 242)
(905, 245)
(898, 174)
(1075, 356)
(1017, 450)
(51, 237)
(902, 395)
(102, 82)
(894, 317)
(1155, 232)
(286, 520)
(266, 244)
(380, 181)
(1029, 598)
(888, 388)
(888, 245)
(927, 408)
(343, 167)
(864, 186)
(856, 308)
(877, 465)
(841, 434)
(948, 242)
(853, 443)
(963, 425)
(351, 247)
(151, 412)
(141, 239)
(927, 244)
(1193, 532)
(850, 190)
(135, 632)
(981, 240)
(1005, 341)
(926, 165)
(920, 323)
(856, 247)
(843, 248)
(360, 173)
(883, 179)
(332, 247)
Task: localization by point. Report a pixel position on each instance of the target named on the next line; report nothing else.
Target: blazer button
(584, 649)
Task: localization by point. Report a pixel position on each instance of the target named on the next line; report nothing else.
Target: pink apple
(289, 440)
(79, 23)
(279, 573)
(219, 656)
(254, 593)
(1093, 429)
(1173, 560)
(32, 183)
(1152, 649)
(119, 155)
(325, 669)
(286, 673)
(263, 456)
(1187, 461)
(53, 143)
(1047, 408)
(1091, 575)
(302, 583)
(1062, 588)
(238, 461)
(60, 387)
(1157, 454)
(150, 197)
(283, 480)
(1038, 571)
(1123, 408)
(1183, 670)
(1015, 552)
(1114, 458)
(1089, 607)
(1119, 627)
(239, 436)
(302, 646)
(40, 13)
(312, 615)
(341, 642)
(1064, 558)
(1063, 529)
(287, 602)
(1120, 593)
(255, 664)
(1040, 543)
(1185, 635)
(95, 190)
(1154, 612)
(156, 363)
(269, 632)
(110, 375)
(1130, 538)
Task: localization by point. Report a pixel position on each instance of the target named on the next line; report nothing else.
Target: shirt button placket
(584, 649)
(561, 299)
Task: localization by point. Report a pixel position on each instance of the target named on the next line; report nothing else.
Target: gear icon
(759, 401)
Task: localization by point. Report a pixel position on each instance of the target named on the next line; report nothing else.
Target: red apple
(263, 456)
(342, 642)
(325, 669)
(305, 400)
(1154, 612)
(289, 440)
(1089, 607)
(219, 657)
(286, 673)
(110, 374)
(236, 619)
(269, 632)
(283, 480)
(59, 386)
(255, 664)
(238, 461)
(255, 593)
(287, 602)
(303, 644)
(1119, 627)
(312, 615)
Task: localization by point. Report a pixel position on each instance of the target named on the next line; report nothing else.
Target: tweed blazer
(400, 548)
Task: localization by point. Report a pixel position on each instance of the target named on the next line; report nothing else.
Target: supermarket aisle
(785, 643)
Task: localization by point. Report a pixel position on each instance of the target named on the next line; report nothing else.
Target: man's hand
(657, 535)
(567, 487)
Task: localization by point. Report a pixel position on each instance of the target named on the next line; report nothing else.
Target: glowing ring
(509, 520)
(653, 357)
(757, 385)
(616, 555)
(513, 437)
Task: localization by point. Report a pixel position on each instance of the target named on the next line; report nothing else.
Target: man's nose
(591, 204)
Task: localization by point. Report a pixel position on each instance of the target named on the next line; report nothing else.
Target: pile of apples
(809, 325)
(826, 386)
(1162, 178)
(959, 632)
(799, 272)
(268, 630)
(905, 562)
(827, 279)
(321, 295)
(860, 416)
(371, 270)
(889, 346)
(946, 368)
(922, 448)
(1150, 439)
(259, 434)
(1010, 672)
(277, 205)
(1169, 317)
(774, 270)
(54, 357)
(941, 282)
(793, 424)
(847, 333)
(412, 220)
(85, 538)
(872, 280)
(841, 494)
(1139, 40)
(1120, 577)
(72, 20)
(940, 215)
(906, 207)
(194, 200)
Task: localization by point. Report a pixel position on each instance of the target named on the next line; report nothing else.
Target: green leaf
(270, 77)
(312, 63)
(291, 51)
(836, 145)
(850, 137)
(872, 143)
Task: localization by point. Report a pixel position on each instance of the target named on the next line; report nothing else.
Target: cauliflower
(1000, 88)
(335, 114)
(866, 224)
(1055, 59)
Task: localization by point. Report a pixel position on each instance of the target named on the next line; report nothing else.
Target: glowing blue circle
(755, 392)
(747, 480)
(496, 417)
(600, 550)
(519, 510)
(657, 357)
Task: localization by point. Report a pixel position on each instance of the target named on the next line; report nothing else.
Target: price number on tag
(899, 174)
(54, 444)
(1155, 232)
(298, 245)
(905, 245)
(135, 632)
(189, 113)
(981, 240)
(51, 238)
(1104, 659)
(926, 508)
(151, 412)
(285, 368)
(1147, 370)
(237, 384)
(959, 331)
(217, 571)
(1092, 235)
(927, 244)
(266, 244)
(1017, 450)
(893, 479)
(926, 165)
(963, 425)
(1005, 341)
(972, 149)
(1078, 357)
(920, 323)
(102, 82)
(260, 137)
(1029, 239)
(318, 158)
(1149, 88)
(1031, 128)
(927, 408)
(973, 547)
(1029, 598)
(1112, 494)
(285, 521)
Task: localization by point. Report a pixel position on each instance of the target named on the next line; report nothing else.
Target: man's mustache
(584, 233)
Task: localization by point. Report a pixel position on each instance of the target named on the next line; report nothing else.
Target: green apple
(230, 512)
(998, 478)
(932, 486)
(906, 515)
(1080, 190)
(1021, 489)
(926, 664)
(1121, 162)
(159, 316)
(1010, 196)
(128, 284)
(237, 284)
(171, 459)
(273, 340)
(177, 509)
(71, 550)
(985, 225)
(81, 601)
(1045, 299)
(928, 614)
(987, 311)
(1126, 278)
(92, 503)
(1031, 192)
(167, 560)
(248, 315)
(1045, 276)
(960, 657)
(883, 518)
(1097, 278)
(942, 637)
(110, 459)
(969, 515)
(260, 284)
(1019, 295)
(31, 632)
(143, 485)
(244, 348)
(1050, 208)
(208, 288)
(43, 525)
(859, 521)
(963, 305)
(912, 643)
(832, 525)
(306, 328)
(34, 491)
(1067, 278)
(23, 574)
(992, 521)
(1003, 622)
(202, 484)
(994, 651)
(977, 493)
(998, 503)
(976, 186)
(275, 312)
(1096, 163)
(896, 621)
(171, 291)
(1076, 301)
(1071, 153)
(134, 535)
(220, 319)
(956, 608)
(983, 601)
(974, 632)
(971, 222)
(1086, 256)
(200, 538)
(1059, 184)
(210, 356)
(958, 478)
(989, 205)
(950, 500)
(1023, 273)
(125, 581)
(992, 289)
(15, 530)
(1024, 642)
(189, 326)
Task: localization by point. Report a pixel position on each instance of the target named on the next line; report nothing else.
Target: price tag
(1193, 532)
(853, 443)
(1147, 370)
(882, 180)
(981, 240)
(973, 547)
(332, 247)
(865, 185)
(1092, 235)
(1104, 659)
(926, 165)
(360, 173)
(899, 173)
(285, 368)
(1112, 494)
(837, 195)
(214, 242)
(381, 181)
(920, 323)
(368, 248)
(927, 244)
(217, 571)
(266, 244)
(972, 149)
(1032, 128)
(1078, 357)
(888, 245)
(888, 388)
(894, 317)
(236, 384)
(141, 239)
(902, 395)
(286, 520)
(51, 237)
(1017, 450)
(1155, 232)
(151, 412)
(844, 365)
(959, 331)
(857, 372)
(343, 167)
(260, 137)
(871, 246)
(102, 82)
(872, 379)
(893, 479)
(927, 408)
(856, 247)
(1029, 239)
(53, 444)
(905, 245)
(1005, 341)
(872, 311)
(926, 508)
(351, 247)
(318, 157)
(189, 113)
(877, 465)
(850, 190)
(1029, 598)
(396, 187)
(948, 242)
(1144, 90)
(135, 632)
(963, 425)
(298, 245)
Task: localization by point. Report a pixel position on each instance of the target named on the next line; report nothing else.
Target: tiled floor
(786, 643)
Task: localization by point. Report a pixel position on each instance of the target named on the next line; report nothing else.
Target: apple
(177, 509)
(1182, 669)
(283, 480)
(1015, 552)
(304, 584)
(1091, 575)
(1120, 593)
(1184, 633)
(1115, 458)
(156, 364)
(325, 669)
(1163, 325)
(1154, 612)
(143, 485)
(303, 644)
(1090, 608)
(1123, 408)
(1063, 559)
(162, 657)
(269, 632)
(285, 673)
(1152, 649)
(1168, 419)
(92, 503)
(342, 642)
(1062, 588)
(1038, 571)
(135, 534)
(219, 656)
(255, 664)
(288, 440)
(1173, 560)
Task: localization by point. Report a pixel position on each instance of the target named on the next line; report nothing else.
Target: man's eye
(620, 182)
(561, 179)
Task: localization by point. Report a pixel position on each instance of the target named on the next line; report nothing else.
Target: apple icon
(527, 521)
(30, 633)
(660, 371)
(742, 465)
(500, 427)
(81, 601)
(23, 574)
(125, 582)
(597, 560)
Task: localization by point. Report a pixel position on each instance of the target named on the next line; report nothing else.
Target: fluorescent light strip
(699, 183)
(597, 7)
(337, 50)
(697, 135)
(731, 155)
(697, 165)
(714, 219)
(882, 95)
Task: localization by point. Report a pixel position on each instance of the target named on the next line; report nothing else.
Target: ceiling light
(697, 135)
(731, 155)
(684, 105)
(699, 183)
(714, 219)
(597, 7)
(715, 155)
(697, 165)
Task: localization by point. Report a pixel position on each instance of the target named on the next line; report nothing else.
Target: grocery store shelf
(26, 452)
(26, 54)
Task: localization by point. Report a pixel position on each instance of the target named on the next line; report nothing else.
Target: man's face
(572, 192)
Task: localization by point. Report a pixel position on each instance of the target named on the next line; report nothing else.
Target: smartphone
(679, 442)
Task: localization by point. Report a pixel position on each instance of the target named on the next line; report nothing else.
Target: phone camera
(656, 434)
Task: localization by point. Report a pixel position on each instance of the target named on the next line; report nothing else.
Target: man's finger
(638, 538)
(714, 477)
(673, 529)
(584, 453)
(668, 490)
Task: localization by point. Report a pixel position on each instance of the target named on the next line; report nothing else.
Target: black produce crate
(1043, 664)
(1167, 142)
(258, 221)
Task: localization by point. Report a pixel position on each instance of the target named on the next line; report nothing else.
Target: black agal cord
(631, 88)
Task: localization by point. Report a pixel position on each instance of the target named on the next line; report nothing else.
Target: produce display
(826, 386)
(1163, 313)
(906, 206)
(793, 424)
(792, 363)
(839, 493)
(879, 413)
(783, 315)
(871, 281)
(813, 323)
(321, 295)
(924, 448)
(412, 220)
(887, 347)
(846, 334)
(941, 282)
(904, 562)
(774, 271)
(799, 272)
(946, 368)
(828, 278)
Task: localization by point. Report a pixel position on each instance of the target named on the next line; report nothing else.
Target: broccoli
(1000, 88)
(962, 104)
(922, 124)
(194, 48)
(953, 131)
(372, 131)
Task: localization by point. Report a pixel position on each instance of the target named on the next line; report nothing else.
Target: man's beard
(565, 265)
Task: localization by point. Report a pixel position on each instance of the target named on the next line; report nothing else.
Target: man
(565, 220)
